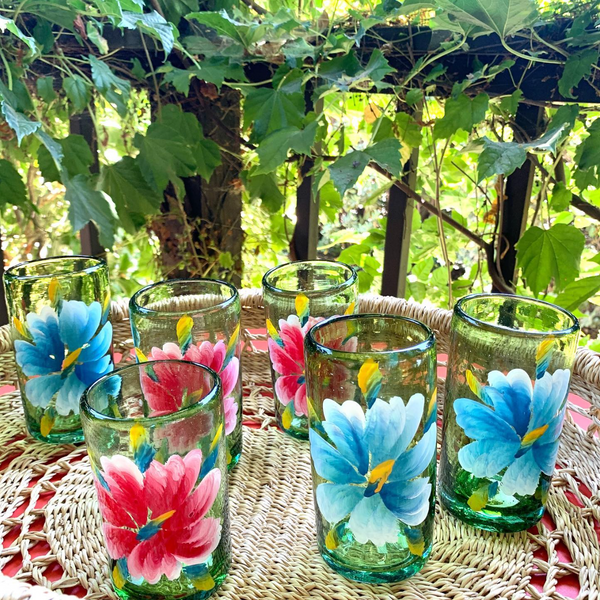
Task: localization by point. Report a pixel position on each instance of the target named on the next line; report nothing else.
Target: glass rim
(187, 411)
(340, 287)
(134, 305)
(11, 272)
(419, 348)
(460, 313)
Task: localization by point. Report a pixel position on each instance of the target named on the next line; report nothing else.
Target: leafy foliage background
(324, 99)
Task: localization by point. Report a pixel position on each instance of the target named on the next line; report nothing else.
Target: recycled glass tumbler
(59, 310)
(154, 433)
(371, 382)
(196, 320)
(296, 296)
(506, 393)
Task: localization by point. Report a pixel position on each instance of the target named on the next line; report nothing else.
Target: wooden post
(398, 232)
(515, 208)
(82, 124)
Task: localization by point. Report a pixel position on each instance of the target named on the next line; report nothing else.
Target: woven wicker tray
(50, 523)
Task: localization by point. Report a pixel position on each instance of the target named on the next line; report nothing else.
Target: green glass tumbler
(196, 320)
(371, 384)
(509, 370)
(59, 309)
(155, 437)
(296, 296)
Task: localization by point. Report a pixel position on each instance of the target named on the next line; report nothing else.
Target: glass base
(65, 437)
(491, 520)
(132, 592)
(390, 575)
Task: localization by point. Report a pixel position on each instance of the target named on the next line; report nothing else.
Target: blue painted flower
(516, 427)
(66, 354)
(370, 472)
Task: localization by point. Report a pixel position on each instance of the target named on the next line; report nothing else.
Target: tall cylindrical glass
(506, 394)
(371, 382)
(296, 296)
(59, 311)
(196, 320)
(154, 433)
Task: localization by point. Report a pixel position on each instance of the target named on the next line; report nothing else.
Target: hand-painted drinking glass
(371, 384)
(59, 309)
(296, 296)
(196, 320)
(506, 393)
(154, 433)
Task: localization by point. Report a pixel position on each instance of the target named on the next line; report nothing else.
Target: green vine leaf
(154, 23)
(208, 157)
(87, 204)
(589, 151)
(18, 122)
(576, 293)
(76, 158)
(273, 150)
(561, 197)
(113, 88)
(45, 89)
(77, 91)
(386, 154)
(463, 113)
(268, 110)
(134, 199)
(346, 170)
(12, 186)
(10, 25)
(265, 188)
(550, 254)
(576, 68)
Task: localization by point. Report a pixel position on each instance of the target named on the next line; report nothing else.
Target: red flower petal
(300, 404)
(229, 376)
(119, 542)
(282, 363)
(286, 388)
(230, 408)
(151, 561)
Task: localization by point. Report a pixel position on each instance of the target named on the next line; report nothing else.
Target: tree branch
(496, 277)
(255, 7)
(577, 201)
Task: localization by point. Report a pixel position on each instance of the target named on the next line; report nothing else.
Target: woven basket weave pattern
(49, 515)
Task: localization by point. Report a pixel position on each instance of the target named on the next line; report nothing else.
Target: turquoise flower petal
(68, 397)
(390, 427)
(78, 322)
(337, 501)
(545, 456)
(371, 521)
(481, 422)
(548, 396)
(46, 354)
(98, 345)
(408, 501)
(412, 463)
(522, 476)
(516, 390)
(345, 426)
(486, 458)
(330, 464)
(40, 390)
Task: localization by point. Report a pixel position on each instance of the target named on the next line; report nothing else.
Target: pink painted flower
(157, 521)
(212, 356)
(288, 361)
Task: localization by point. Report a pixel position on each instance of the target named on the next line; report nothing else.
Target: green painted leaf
(387, 155)
(561, 197)
(154, 22)
(45, 89)
(78, 91)
(576, 293)
(12, 187)
(87, 204)
(463, 113)
(268, 110)
(77, 158)
(208, 157)
(134, 199)
(550, 254)
(576, 68)
(20, 124)
(346, 170)
(113, 88)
